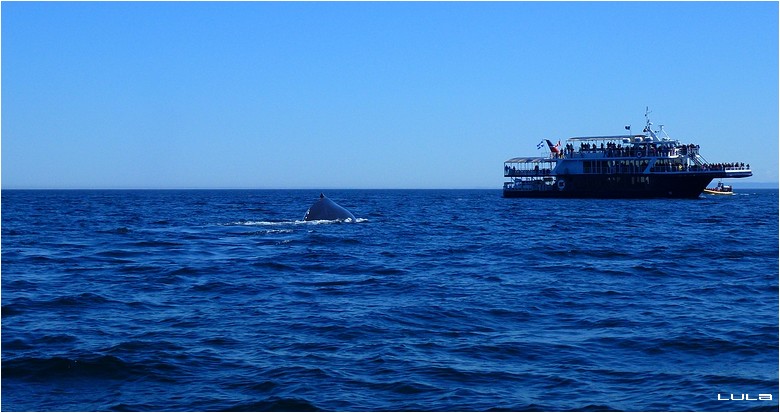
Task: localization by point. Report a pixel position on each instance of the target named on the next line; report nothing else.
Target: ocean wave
(17, 344)
(144, 346)
(117, 230)
(156, 244)
(101, 367)
(135, 407)
(700, 345)
(9, 310)
(274, 266)
(215, 286)
(83, 300)
(120, 253)
(406, 387)
(275, 404)
(295, 222)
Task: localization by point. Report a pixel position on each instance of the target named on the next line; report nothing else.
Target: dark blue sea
(435, 300)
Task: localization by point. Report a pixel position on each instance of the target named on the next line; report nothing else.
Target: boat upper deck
(608, 149)
(611, 150)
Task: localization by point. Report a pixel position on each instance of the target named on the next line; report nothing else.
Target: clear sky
(369, 95)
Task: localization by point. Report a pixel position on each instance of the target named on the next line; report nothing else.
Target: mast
(649, 125)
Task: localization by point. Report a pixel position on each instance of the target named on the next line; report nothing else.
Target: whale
(325, 209)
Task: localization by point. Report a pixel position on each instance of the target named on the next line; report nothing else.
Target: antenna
(665, 134)
(649, 126)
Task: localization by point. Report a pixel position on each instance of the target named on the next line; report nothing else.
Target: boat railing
(510, 172)
(699, 168)
(529, 185)
(730, 167)
(619, 153)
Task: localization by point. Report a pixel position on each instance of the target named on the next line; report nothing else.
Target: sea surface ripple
(440, 300)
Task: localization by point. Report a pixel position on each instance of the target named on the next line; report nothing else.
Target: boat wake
(297, 222)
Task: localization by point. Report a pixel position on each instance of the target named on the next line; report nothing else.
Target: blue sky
(369, 95)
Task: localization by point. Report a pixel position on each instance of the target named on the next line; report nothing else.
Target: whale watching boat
(719, 189)
(651, 165)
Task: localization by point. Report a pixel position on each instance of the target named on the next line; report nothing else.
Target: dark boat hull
(621, 186)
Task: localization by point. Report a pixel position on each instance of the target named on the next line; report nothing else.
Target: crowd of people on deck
(611, 149)
(724, 166)
(513, 171)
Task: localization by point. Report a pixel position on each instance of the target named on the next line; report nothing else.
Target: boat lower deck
(677, 185)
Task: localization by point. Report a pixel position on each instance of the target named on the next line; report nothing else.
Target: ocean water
(445, 300)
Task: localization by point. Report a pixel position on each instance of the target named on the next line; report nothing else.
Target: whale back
(325, 209)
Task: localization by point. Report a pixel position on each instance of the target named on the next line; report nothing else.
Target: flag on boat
(628, 127)
(540, 144)
(554, 148)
